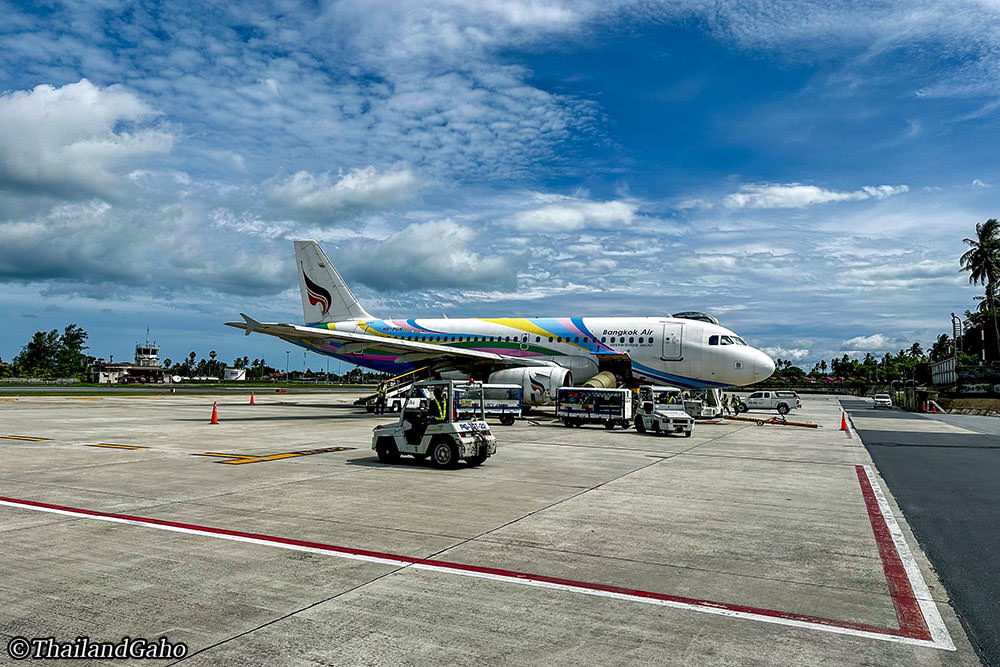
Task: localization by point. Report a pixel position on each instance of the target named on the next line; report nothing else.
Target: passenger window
(604, 339)
(612, 340)
(550, 339)
(713, 340)
(576, 339)
(559, 339)
(757, 395)
(631, 339)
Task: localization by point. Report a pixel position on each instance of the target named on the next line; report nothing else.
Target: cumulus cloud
(96, 248)
(874, 343)
(569, 214)
(329, 198)
(793, 354)
(798, 195)
(440, 253)
(75, 141)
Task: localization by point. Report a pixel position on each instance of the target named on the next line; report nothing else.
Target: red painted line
(908, 613)
(462, 567)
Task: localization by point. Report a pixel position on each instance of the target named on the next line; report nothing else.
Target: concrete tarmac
(945, 472)
(276, 537)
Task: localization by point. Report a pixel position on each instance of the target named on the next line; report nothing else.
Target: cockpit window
(713, 340)
(728, 340)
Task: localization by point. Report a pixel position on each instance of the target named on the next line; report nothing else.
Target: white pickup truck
(782, 401)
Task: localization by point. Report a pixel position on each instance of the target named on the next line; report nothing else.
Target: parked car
(782, 401)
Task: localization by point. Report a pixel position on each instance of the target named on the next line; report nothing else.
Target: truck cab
(661, 410)
(430, 425)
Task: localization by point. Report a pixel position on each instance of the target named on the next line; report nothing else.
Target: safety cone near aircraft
(215, 413)
(843, 422)
(251, 399)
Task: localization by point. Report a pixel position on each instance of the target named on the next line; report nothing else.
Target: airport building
(145, 369)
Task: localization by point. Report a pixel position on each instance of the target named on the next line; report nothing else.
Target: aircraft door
(524, 341)
(672, 335)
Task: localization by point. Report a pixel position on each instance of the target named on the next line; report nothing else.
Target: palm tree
(982, 261)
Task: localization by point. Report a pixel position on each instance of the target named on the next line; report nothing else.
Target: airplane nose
(763, 366)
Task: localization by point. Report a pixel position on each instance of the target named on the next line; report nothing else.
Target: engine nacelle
(539, 383)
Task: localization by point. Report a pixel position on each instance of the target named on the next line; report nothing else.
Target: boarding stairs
(396, 387)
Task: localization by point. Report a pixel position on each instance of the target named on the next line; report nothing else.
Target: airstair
(396, 388)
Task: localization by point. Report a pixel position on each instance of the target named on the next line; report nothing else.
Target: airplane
(541, 354)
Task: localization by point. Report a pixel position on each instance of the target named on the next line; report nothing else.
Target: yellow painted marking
(104, 444)
(8, 399)
(23, 437)
(239, 459)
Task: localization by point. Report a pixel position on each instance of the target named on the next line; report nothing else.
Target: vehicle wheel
(445, 454)
(639, 426)
(656, 428)
(477, 460)
(782, 409)
(369, 408)
(386, 450)
(609, 425)
(624, 424)
(687, 434)
(567, 421)
(507, 420)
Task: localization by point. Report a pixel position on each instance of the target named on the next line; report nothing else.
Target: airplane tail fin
(325, 295)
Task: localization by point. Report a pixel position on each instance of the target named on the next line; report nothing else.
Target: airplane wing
(353, 343)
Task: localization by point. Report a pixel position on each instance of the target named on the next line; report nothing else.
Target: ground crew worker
(725, 404)
(380, 399)
(440, 411)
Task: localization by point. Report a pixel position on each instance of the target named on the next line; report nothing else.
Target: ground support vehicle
(782, 401)
(448, 440)
(503, 401)
(661, 410)
(577, 406)
(703, 403)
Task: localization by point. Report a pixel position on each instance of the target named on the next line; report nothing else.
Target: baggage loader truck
(577, 406)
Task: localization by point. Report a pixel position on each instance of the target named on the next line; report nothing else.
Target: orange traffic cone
(215, 413)
(251, 399)
(933, 407)
(843, 422)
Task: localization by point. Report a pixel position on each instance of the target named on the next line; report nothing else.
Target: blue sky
(804, 172)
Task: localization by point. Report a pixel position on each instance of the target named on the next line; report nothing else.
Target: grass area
(990, 404)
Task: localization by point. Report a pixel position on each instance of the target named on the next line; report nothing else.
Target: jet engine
(540, 383)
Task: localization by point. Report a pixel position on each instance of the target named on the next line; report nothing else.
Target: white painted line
(932, 616)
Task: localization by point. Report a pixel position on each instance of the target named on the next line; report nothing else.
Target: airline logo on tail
(317, 295)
